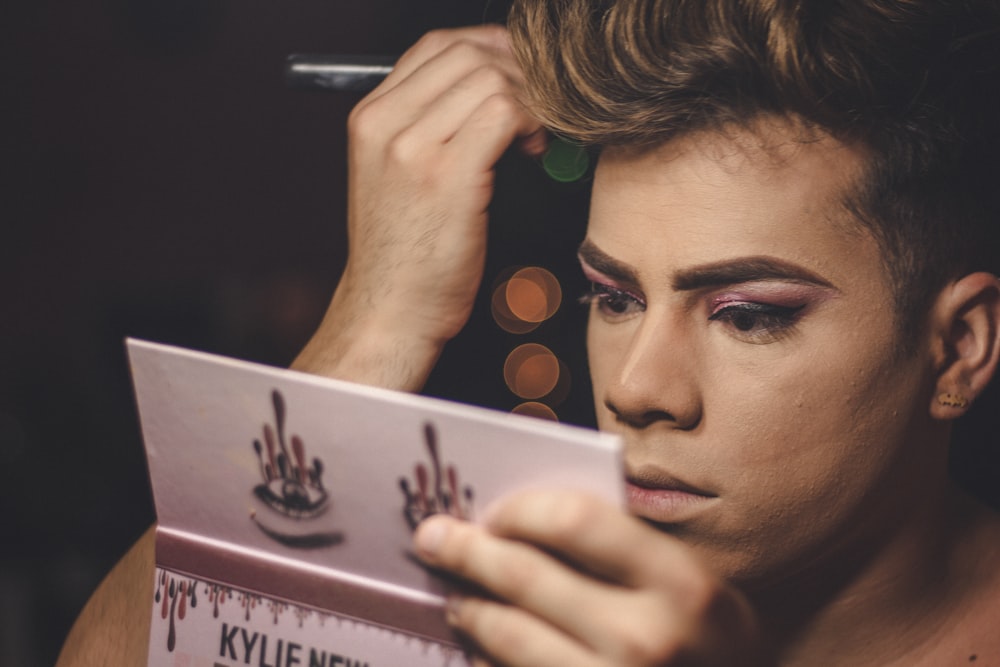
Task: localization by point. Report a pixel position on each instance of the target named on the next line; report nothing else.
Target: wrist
(368, 348)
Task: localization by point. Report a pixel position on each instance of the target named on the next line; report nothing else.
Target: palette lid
(308, 489)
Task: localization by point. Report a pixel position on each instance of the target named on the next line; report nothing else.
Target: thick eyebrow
(745, 270)
(605, 263)
(727, 272)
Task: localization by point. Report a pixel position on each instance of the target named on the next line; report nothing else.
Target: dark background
(158, 180)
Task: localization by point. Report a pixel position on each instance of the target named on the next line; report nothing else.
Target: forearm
(422, 148)
(356, 342)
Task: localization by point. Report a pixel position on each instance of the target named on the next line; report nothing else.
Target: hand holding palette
(286, 504)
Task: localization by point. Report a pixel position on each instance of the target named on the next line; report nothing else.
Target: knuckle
(490, 77)
(364, 121)
(434, 40)
(464, 48)
(494, 31)
(500, 105)
(411, 156)
(454, 550)
(519, 579)
(404, 149)
(502, 632)
(570, 516)
(487, 620)
(458, 551)
(646, 643)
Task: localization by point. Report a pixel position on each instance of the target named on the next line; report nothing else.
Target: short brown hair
(916, 82)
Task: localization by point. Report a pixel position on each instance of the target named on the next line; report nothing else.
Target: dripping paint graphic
(291, 485)
(173, 594)
(437, 494)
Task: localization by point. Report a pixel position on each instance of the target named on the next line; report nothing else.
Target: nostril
(641, 418)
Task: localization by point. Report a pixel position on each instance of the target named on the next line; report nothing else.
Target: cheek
(606, 351)
(813, 431)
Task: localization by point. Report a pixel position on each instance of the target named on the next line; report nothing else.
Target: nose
(655, 379)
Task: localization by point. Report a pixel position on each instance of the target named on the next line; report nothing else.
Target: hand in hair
(572, 581)
(422, 150)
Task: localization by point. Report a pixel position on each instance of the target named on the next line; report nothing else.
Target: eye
(758, 323)
(612, 302)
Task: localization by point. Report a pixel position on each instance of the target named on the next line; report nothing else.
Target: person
(792, 248)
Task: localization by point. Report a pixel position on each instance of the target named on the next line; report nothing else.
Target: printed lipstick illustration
(438, 495)
(291, 485)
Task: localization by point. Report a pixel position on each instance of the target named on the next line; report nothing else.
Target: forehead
(777, 189)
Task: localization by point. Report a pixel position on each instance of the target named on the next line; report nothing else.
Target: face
(742, 341)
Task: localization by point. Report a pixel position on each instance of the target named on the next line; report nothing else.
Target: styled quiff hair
(916, 83)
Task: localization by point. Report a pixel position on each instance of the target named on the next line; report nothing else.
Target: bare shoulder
(113, 628)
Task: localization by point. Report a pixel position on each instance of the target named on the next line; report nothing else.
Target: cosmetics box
(286, 504)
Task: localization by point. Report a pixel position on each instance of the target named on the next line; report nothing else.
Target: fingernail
(430, 535)
(451, 606)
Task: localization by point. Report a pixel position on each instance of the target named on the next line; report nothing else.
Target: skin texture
(787, 425)
(114, 626)
(742, 344)
(790, 503)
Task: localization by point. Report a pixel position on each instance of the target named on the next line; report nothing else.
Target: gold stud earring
(950, 400)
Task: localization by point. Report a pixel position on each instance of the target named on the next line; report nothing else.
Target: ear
(966, 332)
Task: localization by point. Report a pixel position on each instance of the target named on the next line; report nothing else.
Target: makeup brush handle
(333, 72)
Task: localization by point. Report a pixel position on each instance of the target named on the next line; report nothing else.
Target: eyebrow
(726, 272)
(605, 263)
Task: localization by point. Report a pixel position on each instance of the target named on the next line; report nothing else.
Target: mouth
(665, 499)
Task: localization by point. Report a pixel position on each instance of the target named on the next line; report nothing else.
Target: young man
(793, 298)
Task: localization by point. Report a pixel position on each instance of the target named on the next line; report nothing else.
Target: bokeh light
(535, 409)
(503, 316)
(565, 161)
(526, 298)
(523, 298)
(531, 371)
(533, 294)
(560, 392)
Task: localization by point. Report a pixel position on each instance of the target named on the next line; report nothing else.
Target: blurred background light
(535, 409)
(533, 294)
(524, 297)
(503, 316)
(531, 371)
(565, 161)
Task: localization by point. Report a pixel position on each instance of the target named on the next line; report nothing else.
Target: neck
(893, 602)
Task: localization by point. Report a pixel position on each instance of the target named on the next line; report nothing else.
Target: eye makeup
(757, 322)
(610, 301)
(756, 299)
(765, 311)
(613, 299)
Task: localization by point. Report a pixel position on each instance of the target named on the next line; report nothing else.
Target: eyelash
(758, 322)
(750, 321)
(609, 299)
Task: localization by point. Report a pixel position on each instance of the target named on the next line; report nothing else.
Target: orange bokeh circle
(535, 409)
(533, 294)
(531, 371)
(503, 316)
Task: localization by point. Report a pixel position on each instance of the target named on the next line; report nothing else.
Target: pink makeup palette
(286, 504)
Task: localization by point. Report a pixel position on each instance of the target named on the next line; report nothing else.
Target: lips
(663, 498)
